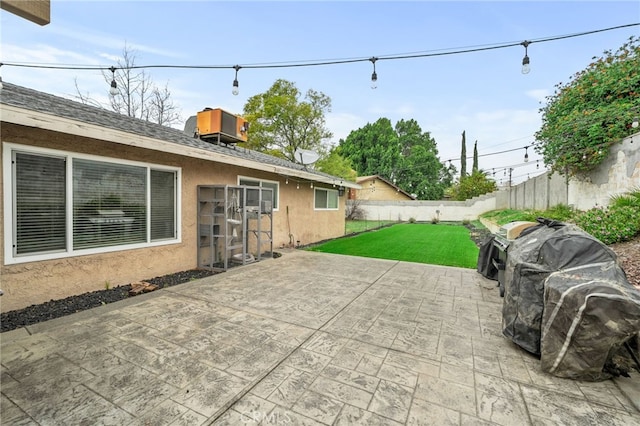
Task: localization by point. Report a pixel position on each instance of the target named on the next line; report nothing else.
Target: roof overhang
(38, 11)
(25, 117)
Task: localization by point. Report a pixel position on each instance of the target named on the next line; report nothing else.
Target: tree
(477, 183)
(280, 122)
(475, 157)
(463, 156)
(335, 164)
(372, 149)
(137, 95)
(404, 155)
(591, 112)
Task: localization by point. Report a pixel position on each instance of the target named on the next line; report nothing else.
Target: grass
(441, 244)
(561, 212)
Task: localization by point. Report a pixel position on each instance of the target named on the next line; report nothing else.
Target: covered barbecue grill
(566, 299)
(548, 247)
(492, 258)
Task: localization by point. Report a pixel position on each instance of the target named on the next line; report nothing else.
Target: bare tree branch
(137, 95)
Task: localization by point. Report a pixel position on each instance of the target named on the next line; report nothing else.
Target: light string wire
(311, 63)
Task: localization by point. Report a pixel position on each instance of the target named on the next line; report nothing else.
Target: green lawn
(441, 244)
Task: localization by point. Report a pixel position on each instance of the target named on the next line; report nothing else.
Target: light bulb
(525, 65)
(113, 90)
(635, 123)
(374, 80)
(236, 89)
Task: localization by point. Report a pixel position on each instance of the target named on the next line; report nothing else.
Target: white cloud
(88, 36)
(44, 54)
(539, 95)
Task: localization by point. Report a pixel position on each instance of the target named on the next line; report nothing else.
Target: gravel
(58, 308)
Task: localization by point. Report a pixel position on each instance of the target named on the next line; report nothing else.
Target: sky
(482, 93)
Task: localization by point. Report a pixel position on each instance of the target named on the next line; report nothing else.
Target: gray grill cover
(540, 250)
(589, 313)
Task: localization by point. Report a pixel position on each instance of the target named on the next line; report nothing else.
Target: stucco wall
(36, 282)
(619, 173)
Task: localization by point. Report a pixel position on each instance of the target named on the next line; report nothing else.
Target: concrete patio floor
(305, 339)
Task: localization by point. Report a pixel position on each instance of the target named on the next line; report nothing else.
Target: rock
(141, 287)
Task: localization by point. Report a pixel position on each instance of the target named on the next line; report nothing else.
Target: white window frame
(259, 181)
(328, 191)
(9, 213)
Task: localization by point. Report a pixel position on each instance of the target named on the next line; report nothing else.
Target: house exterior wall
(29, 283)
(378, 190)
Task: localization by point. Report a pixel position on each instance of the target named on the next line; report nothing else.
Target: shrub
(610, 225)
(631, 198)
(412, 220)
(561, 212)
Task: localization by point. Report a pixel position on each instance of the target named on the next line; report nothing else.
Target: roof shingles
(33, 100)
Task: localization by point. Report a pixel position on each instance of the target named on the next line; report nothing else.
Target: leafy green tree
(403, 154)
(477, 183)
(419, 171)
(372, 149)
(335, 164)
(591, 112)
(281, 120)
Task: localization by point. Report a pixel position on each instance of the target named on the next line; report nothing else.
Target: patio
(308, 338)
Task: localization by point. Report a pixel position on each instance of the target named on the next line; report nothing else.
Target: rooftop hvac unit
(220, 126)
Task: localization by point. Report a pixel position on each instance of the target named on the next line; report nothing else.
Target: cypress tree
(463, 157)
(475, 158)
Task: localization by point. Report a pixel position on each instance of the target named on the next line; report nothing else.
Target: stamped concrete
(305, 339)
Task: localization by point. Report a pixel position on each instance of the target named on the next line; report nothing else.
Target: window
(40, 197)
(266, 195)
(65, 204)
(326, 199)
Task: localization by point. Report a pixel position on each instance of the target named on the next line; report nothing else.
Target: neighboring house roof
(20, 105)
(363, 179)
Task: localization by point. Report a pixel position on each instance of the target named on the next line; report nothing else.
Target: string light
(526, 154)
(525, 61)
(439, 52)
(113, 90)
(374, 75)
(236, 89)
